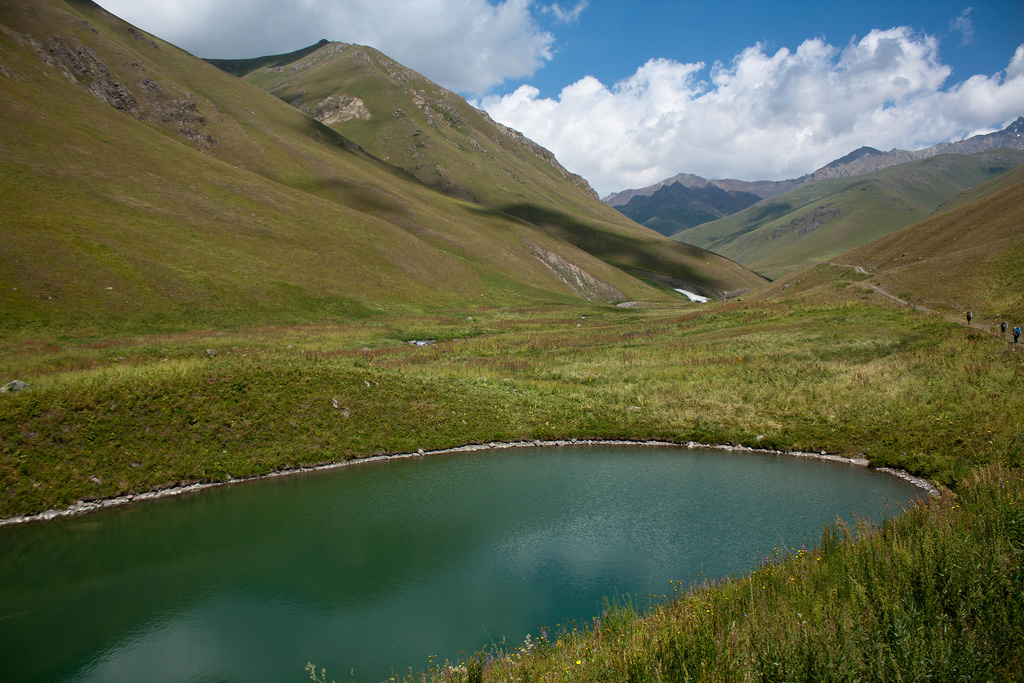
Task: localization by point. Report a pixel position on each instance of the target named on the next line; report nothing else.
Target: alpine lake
(378, 568)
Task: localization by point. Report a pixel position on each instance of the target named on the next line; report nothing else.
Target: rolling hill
(820, 220)
(969, 258)
(144, 189)
(438, 137)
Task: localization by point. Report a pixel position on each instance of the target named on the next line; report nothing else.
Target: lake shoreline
(86, 507)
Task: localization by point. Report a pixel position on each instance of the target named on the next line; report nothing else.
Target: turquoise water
(379, 567)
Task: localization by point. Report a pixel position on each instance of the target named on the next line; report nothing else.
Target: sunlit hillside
(437, 136)
(819, 221)
(142, 189)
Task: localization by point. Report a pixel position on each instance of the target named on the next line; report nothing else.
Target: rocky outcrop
(579, 281)
(81, 65)
(338, 108)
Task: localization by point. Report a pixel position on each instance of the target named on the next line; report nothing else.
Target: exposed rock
(186, 114)
(84, 64)
(810, 221)
(575, 278)
(337, 109)
(139, 35)
(149, 85)
(198, 137)
(16, 385)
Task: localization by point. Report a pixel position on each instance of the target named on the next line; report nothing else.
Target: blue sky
(610, 39)
(627, 94)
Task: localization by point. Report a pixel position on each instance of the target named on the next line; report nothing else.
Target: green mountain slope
(970, 258)
(434, 134)
(142, 188)
(821, 220)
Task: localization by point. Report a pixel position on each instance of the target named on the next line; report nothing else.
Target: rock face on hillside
(131, 91)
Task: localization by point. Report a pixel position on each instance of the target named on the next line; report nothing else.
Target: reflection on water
(375, 568)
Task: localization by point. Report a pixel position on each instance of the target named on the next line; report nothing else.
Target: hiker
(1002, 328)
(969, 316)
(1016, 334)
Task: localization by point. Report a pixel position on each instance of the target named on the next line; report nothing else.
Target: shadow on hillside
(663, 262)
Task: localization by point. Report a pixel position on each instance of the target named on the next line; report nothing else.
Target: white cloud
(468, 45)
(764, 116)
(964, 26)
(566, 16)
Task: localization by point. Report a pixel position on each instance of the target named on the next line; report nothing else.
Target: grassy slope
(126, 224)
(448, 144)
(821, 220)
(967, 258)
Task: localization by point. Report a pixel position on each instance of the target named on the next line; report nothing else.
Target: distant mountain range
(819, 220)
(685, 200)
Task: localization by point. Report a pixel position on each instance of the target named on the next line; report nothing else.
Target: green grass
(107, 417)
(900, 388)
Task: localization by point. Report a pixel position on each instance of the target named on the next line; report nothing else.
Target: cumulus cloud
(763, 116)
(469, 45)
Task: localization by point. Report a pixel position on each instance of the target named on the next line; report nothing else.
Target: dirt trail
(981, 327)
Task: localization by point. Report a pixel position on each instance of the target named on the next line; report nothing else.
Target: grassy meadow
(107, 417)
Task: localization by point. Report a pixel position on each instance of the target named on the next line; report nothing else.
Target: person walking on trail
(1016, 334)
(1002, 328)
(969, 316)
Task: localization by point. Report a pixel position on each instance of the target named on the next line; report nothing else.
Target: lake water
(382, 566)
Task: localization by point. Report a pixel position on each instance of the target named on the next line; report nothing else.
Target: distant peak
(854, 155)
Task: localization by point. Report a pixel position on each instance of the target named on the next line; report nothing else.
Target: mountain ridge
(820, 220)
(862, 160)
(437, 136)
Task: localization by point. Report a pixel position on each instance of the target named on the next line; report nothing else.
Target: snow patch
(693, 297)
